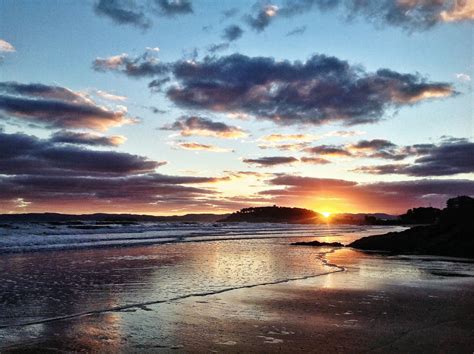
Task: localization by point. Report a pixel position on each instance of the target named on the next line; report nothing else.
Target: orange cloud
(202, 147)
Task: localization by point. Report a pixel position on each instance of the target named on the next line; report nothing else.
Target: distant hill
(451, 235)
(274, 214)
(103, 217)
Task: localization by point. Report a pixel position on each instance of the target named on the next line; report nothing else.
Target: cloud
(104, 193)
(43, 91)
(380, 148)
(449, 158)
(57, 107)
(158, 84)
(174, 7)
(81, 138)
(287, 137)
(137, 12)
(310, 182)
(461, 10)
(201, 147)
(145, 65)
(44, 174)
(123, 12)
(214, 48)
(329, 150)
(22, 154)
(262, 18)
(297, 31)
(188, 126)
(375, 144)
(156, 110)
(271, 161)
(322, 89)
(379, 196)
(411, 15)
(375, 148)
(284, 147)
(246, 174)
(463, 77)
(232, 33)
(6, 47)
(110, 96)
(344, 133)
(294, 142)
(314, 160)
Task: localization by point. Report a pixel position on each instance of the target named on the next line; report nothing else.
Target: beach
(237, 295)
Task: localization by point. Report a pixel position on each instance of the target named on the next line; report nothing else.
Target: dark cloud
(56, 107)
(310, 182)
(271, 161)
(158, 84)
(262, 17)
(188, 126)
(422, 188)
(146, 65)
(214, 48)
(449, 158)
(376, 148)
(123, 12)
(329, 150)
(156, 110)
(174, 7)
(26, 154)
(382, 169)
(315, 160)
(38, 90)
(49, 174)
(297, 31)
(375, 144)
(296, 7)
(411, 15)
(80, 138)
(383, 149)
(320, 90)
(137, 12)
(127, 190)
(232, 33)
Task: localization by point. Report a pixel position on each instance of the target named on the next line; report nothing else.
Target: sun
(326, 214)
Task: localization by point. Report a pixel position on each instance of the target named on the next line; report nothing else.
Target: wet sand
(377, 304)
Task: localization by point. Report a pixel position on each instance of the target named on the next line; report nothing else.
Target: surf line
(320, 256)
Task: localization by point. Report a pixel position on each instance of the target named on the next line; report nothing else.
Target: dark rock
(318, 244)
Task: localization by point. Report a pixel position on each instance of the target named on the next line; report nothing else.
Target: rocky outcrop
(452, 235)
(318, 244)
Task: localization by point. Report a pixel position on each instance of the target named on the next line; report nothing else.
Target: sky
(184, 106)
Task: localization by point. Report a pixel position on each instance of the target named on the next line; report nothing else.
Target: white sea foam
(24, 237)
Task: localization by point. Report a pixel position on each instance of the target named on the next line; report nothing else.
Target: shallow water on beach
(44, 283)
(53, 282)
